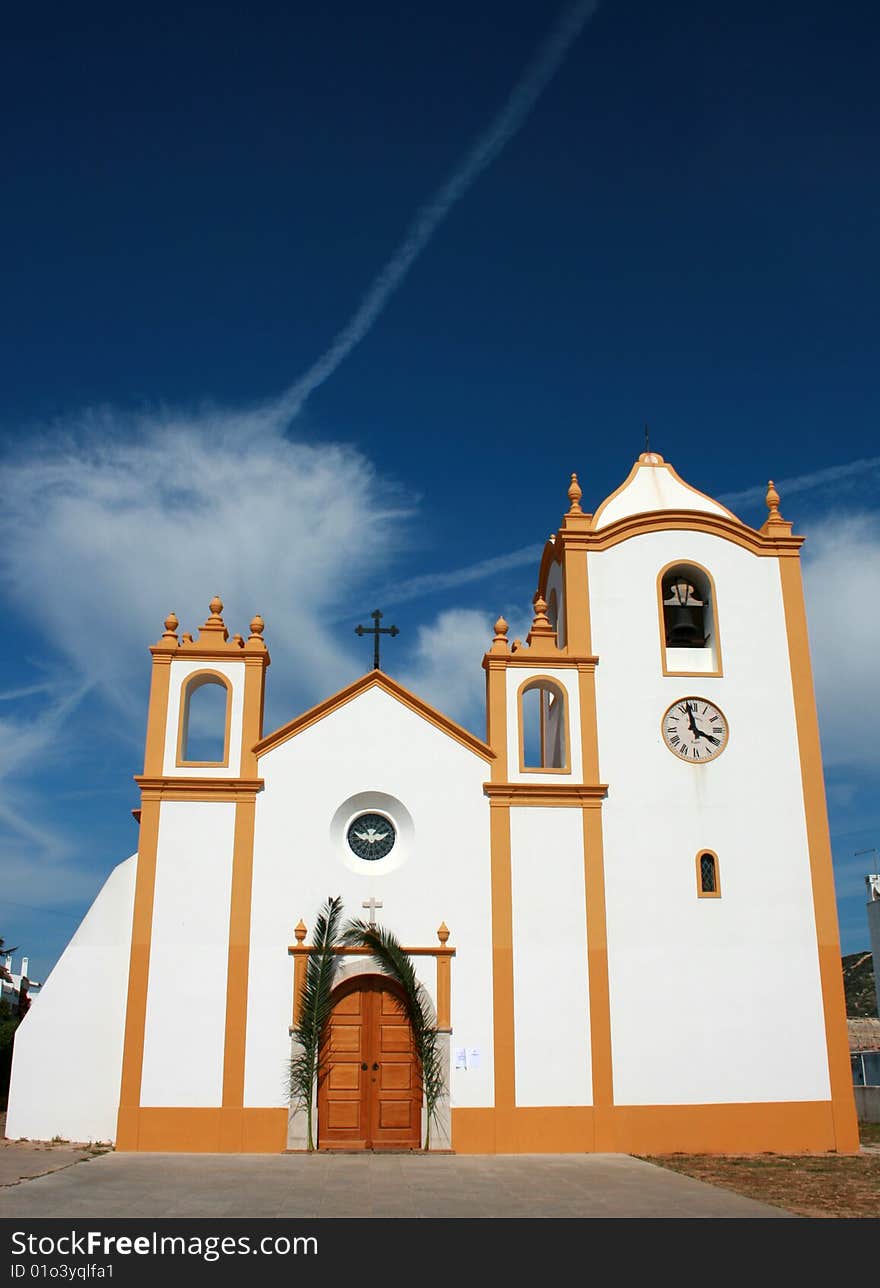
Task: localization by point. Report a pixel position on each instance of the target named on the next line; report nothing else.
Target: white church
(620, 903)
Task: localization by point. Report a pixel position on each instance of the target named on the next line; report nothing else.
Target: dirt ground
(810, 1185)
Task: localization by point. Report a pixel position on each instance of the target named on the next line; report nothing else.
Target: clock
(371, 836)
(694, 730)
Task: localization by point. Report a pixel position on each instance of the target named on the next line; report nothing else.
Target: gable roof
(375, 679)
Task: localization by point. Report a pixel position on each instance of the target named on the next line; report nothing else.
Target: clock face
(371, 836)
(695, 730)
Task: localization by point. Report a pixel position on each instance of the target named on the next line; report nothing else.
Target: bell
(684, 626)
(683, 616)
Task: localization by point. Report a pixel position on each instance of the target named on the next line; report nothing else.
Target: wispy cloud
(814, 481)
(433, 583)
(842, 587)
(143, 514)
(428, 219)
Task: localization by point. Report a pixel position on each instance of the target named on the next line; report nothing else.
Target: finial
(443, 932)
(772, 499)
(499, 641)
(257, 628)
(300, 931)
(540, 606)
(171, 625)
(574, 495)
(187, 638)
(238, 641)
(216, 607)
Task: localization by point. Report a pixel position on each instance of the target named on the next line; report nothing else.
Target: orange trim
(207, 1131)
(303, 950)
(708, 894)
(799, 1127)
(252, 712)
(197, 789)
(496, 714)
(444, 992)
(157, 715)
(713, 600)
(597, 971)
(636, 525)
(561, 660)
(138, 976)
(821, 867)
(785, 1128)
(543, 683)
(197, 680)
(239, 954)
(544, 794)
(576, 596)
(374, 679)
(502, 956)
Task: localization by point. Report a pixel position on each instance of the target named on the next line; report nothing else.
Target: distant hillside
(858, 985)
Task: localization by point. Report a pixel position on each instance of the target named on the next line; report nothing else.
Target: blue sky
(674, 222)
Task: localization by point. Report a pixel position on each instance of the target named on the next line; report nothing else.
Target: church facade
(620, 903)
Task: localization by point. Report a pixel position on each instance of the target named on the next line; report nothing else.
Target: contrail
(483, 152)
(804, 482)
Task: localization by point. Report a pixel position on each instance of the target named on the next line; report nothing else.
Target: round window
(371, 836)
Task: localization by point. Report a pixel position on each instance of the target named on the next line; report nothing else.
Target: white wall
(712, 1000)
(186, 993)
(655, 488)
(372, 744)
(68, 1049)
(180, 672)
(550, 985)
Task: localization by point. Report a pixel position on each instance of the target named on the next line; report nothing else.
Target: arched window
(543, 726)
(688, 621)
(708, 876)
(205, 710)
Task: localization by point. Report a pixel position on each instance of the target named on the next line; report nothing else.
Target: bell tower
(198, 803)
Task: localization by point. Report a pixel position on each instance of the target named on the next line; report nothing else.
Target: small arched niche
(543, 727)
(205, 712)
(689, 639)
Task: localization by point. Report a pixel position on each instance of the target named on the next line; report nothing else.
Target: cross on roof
(376, 630)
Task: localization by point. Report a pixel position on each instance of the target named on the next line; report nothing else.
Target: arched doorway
(369, 1096)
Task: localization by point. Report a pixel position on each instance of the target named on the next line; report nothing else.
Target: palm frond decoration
(391, 959)
(314, 1011)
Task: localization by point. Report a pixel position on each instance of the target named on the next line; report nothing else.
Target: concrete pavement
(395, 1185)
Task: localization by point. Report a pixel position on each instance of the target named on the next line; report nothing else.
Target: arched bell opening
(688, 620)
(205, 717)
(543, 726)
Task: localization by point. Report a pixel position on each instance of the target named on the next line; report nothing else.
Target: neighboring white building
(634, 868)
(10, 989)
(873, 884)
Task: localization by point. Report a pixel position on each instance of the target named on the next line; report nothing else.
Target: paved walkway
(398, 1185)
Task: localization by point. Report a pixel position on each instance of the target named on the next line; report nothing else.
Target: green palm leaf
(314, 1010)
(391, 959)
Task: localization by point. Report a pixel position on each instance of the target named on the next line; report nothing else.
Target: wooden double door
(370, 1095)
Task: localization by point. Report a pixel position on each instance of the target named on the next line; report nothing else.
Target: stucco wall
(186, 993)
(371, 751)
(696, 983)
(68, 1049)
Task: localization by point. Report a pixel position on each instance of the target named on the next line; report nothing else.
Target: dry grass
(809, 1185)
